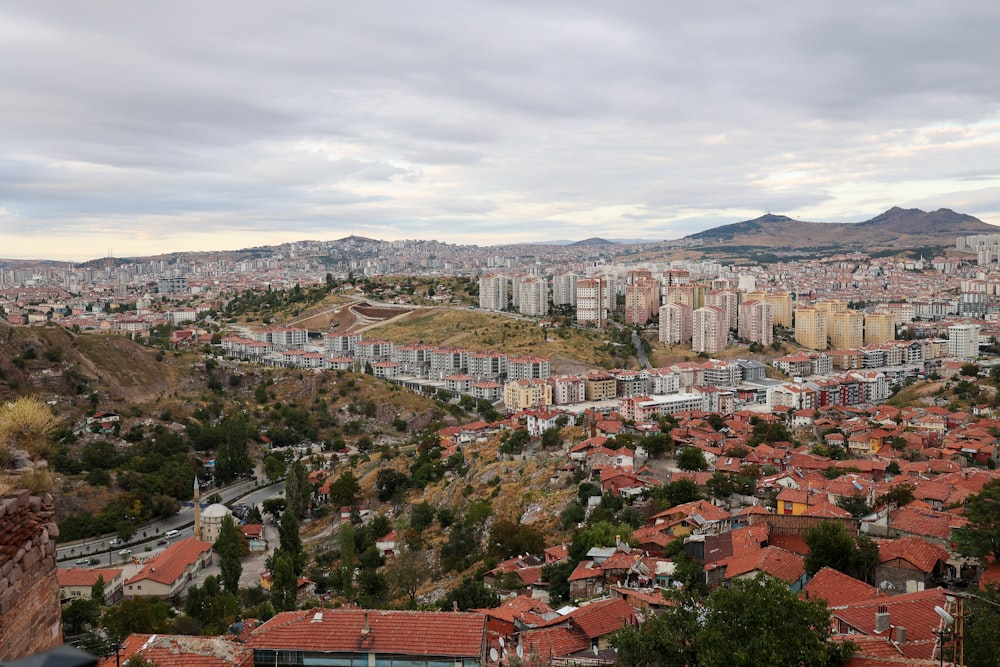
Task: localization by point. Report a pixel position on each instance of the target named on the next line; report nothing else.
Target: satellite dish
(945, 616)
(520, 651)
(501, 642)
(494, 656)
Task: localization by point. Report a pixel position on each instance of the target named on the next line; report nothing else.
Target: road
(147, 535)
(640, 350)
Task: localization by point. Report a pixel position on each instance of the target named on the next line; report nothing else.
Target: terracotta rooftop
(838, 588)
(553, 642)
(776, 562)
(183, 651)
(917, 551)
(171, 563)
(913, 611)
(432, 633)
(82, 576)
(598, 619)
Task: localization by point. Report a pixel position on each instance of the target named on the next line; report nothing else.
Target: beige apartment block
(847, 329)
(879, 328)
(810, 327)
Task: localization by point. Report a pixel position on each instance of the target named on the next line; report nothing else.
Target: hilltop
(896, 227)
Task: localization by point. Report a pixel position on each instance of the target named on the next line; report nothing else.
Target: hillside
(895, 228)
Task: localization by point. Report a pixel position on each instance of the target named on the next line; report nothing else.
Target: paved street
(146, 537)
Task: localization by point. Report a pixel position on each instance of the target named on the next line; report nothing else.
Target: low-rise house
(351, 636)
(910, 564)
(168, 573)
(180, 651)
(76, 583)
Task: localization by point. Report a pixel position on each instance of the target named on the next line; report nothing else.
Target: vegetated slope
(482, 330)
(53, 360)
(896, 227)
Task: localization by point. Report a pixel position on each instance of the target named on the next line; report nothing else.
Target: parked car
(83, 561)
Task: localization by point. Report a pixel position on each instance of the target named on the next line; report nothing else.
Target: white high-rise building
(675, 323)
(591, 301)
(533, 297)
(493, 291)
(756, 322)
(709, 330)
(564, 289)
(963, 341)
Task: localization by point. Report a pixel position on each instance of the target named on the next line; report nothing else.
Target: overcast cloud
(147, 127)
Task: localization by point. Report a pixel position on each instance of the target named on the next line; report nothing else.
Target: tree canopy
(981, 537)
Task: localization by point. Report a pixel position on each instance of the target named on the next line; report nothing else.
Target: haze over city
(138, 129)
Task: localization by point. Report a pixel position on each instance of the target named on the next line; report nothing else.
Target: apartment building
(810, 327)
(642, 297)
(709, 332)
(493, 291)
(879, 328)
(533, 297)
(591, 301)
(675, 323)
(847, 329)
(963, 341)
(564, 289)
(727, 300)
(781, 305)
(527, 368)
(526, 394)
(756, 322)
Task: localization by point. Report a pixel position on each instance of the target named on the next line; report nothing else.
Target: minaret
(197, 509)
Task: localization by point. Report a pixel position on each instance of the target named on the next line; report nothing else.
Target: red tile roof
(432, 633)
(170, 564)
(598, 619)
(913, 611)
(776, 562)
(838, 588)
(82, 576)
(917, 551)
(183, 651)
(553, 642)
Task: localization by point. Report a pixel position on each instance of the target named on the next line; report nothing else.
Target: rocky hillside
(896, 227)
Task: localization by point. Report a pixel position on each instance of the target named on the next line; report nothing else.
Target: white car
(83, 561)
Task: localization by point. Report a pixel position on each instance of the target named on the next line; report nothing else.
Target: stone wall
(30, 615)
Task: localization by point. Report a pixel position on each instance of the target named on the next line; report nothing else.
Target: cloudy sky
(145, 127)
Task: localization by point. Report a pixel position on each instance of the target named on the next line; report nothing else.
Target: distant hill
(593, 241)
(896, 227)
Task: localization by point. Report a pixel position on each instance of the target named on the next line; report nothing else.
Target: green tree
(761, 621)
(510, 538)
(291, 541)
(284, 583)
(97, 591)
(676, 493)
(470, 594)
(691, 458)
(982, 627)
(298, 490)
(981, 537)
(229, 546)
(600, 534)
(347, 559)
(391, 484)
(969, 369)
(830, 545)
(551, 438)
(857, 505)
(345, 490)
(664, 640)
(143, 615)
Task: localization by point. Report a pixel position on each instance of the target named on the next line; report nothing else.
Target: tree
(298, 491)
(981, 537)
(284, 583)
(143, 615)
(982, 627)
(229, 546)
(691, 458)
(721, 485)
(970, 369)
(857, 505)
(405, 573)
(347, 559)
(830, 545)
(344, 492)
(97, 591)
(510, 538)
(391, 484)
(664, 640)
(760, 621)
(557, 575)
(470, 594)
(601, 534)
(291, 541)
(676, 493)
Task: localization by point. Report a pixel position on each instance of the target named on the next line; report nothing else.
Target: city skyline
(148, 129)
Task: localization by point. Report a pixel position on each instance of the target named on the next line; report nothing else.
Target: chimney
(882, 619)
(365, 630)
(900, 634)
